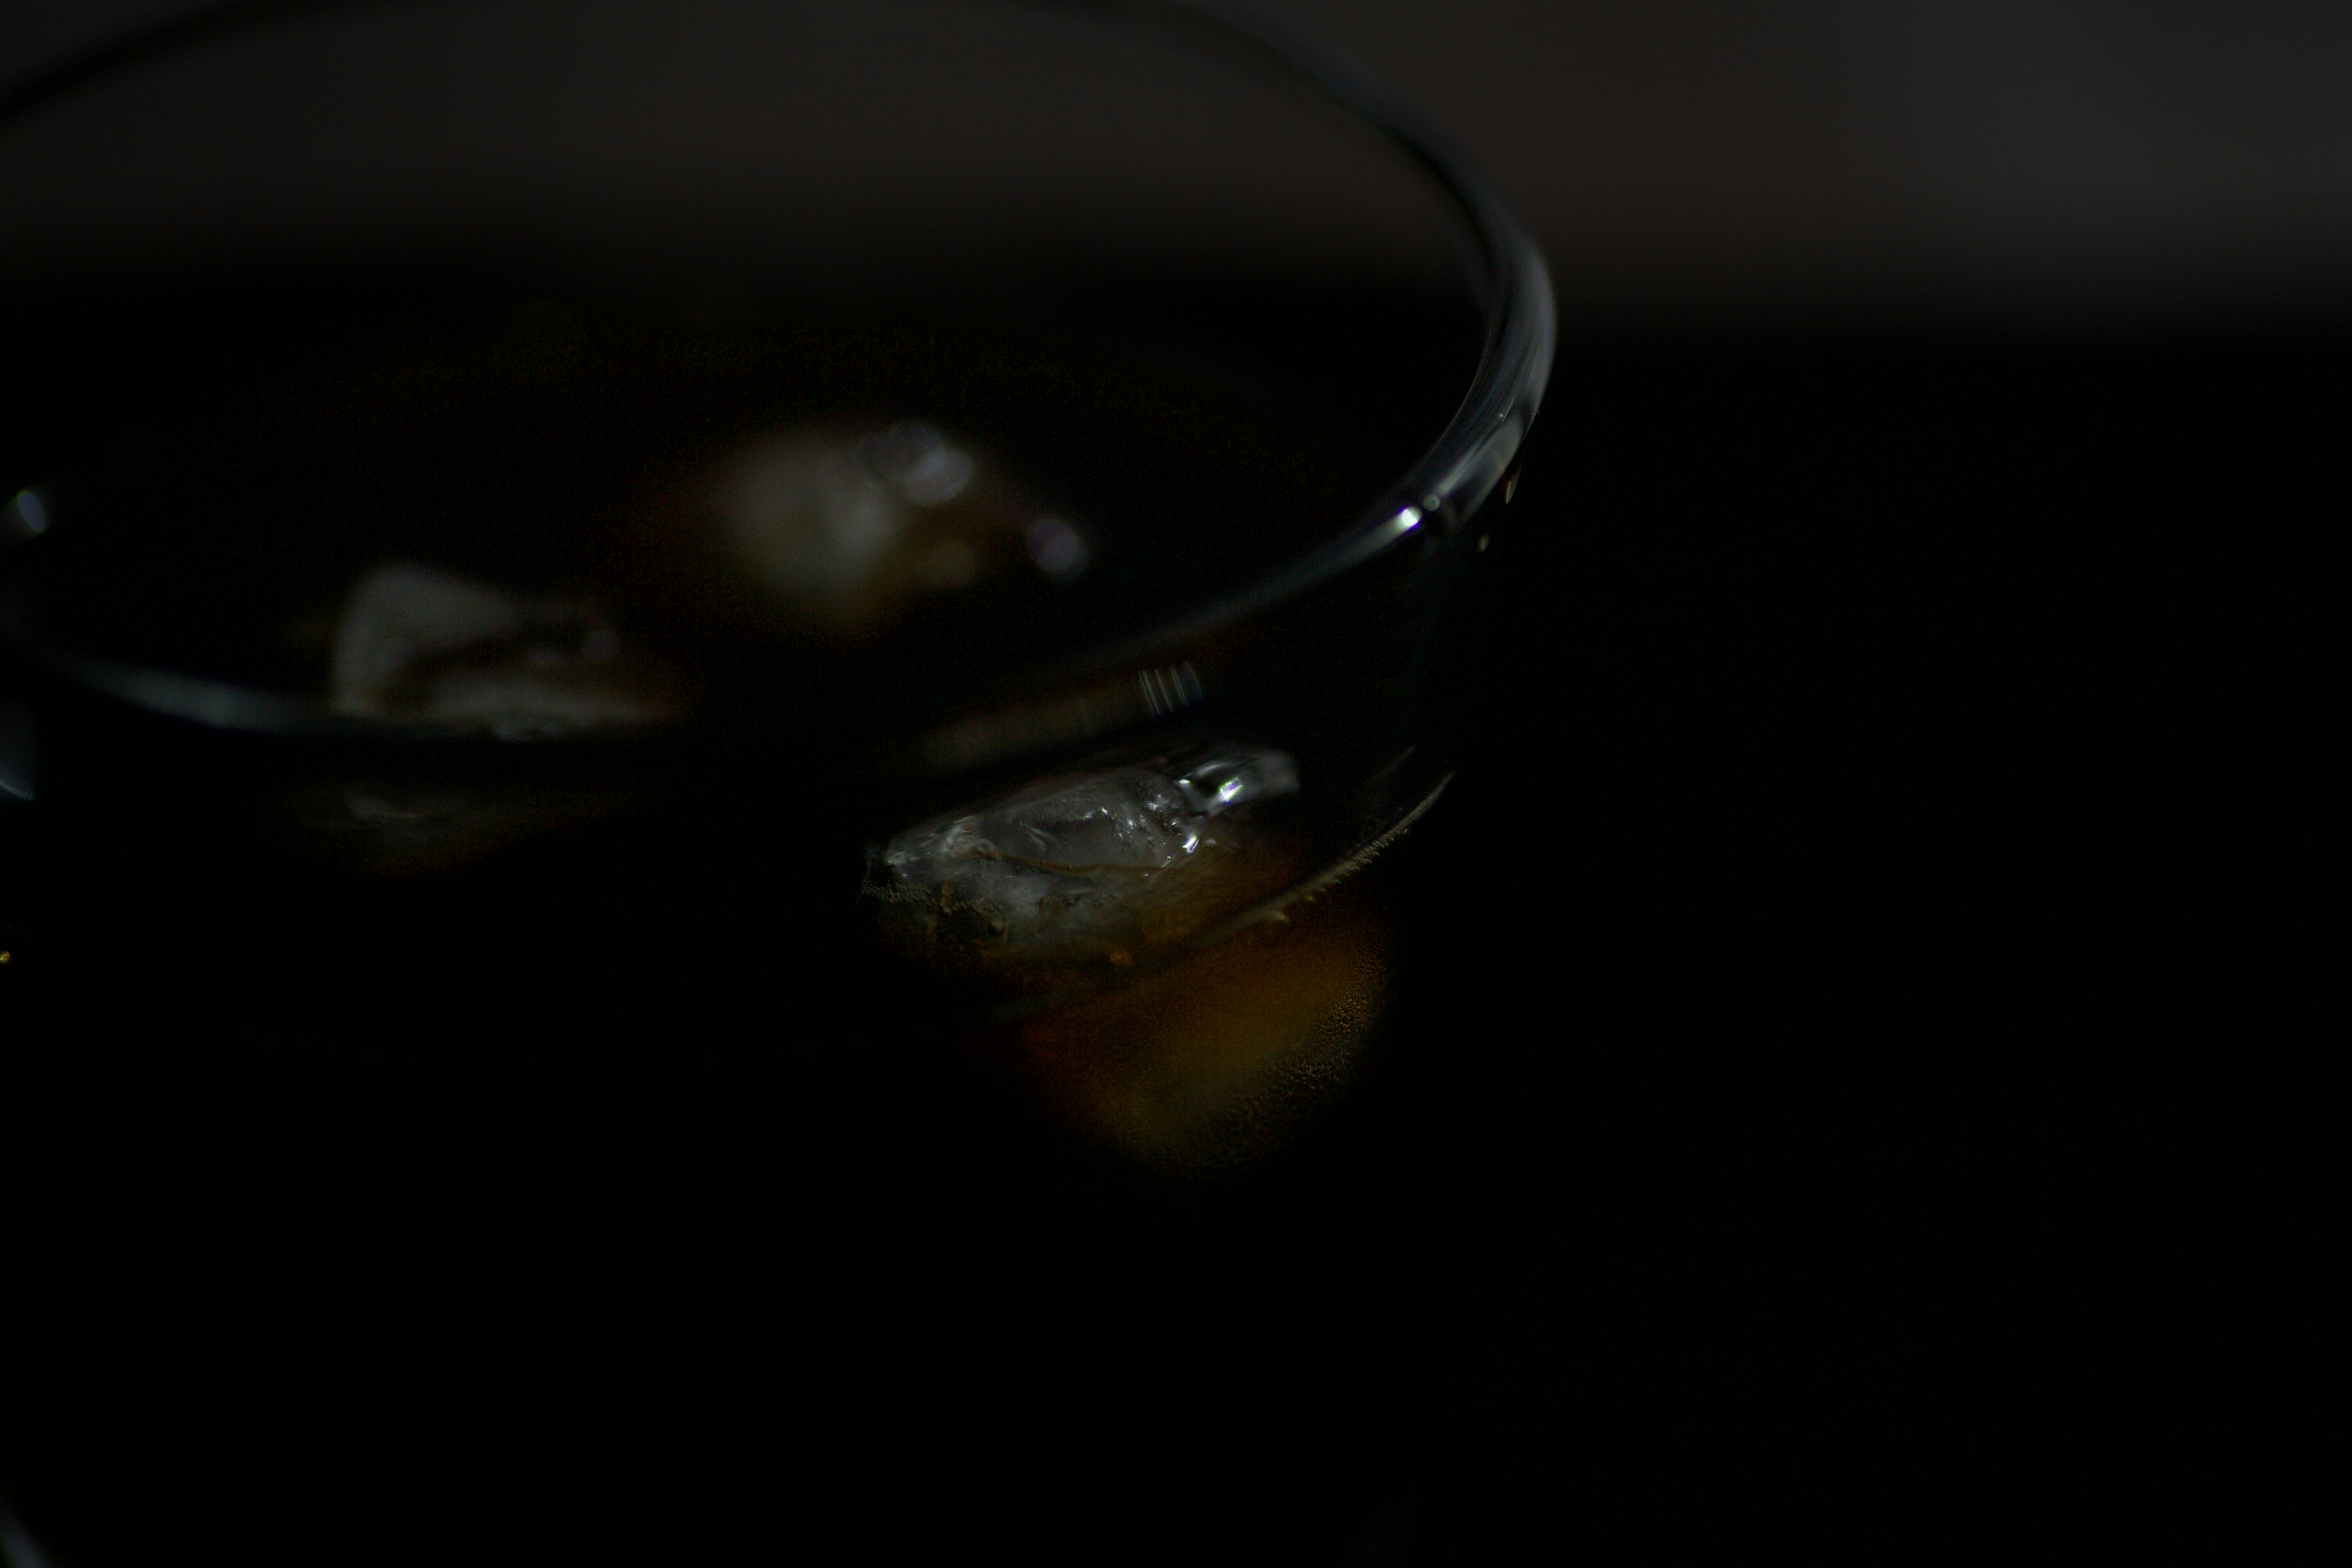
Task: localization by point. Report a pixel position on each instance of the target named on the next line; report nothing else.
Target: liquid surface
(783, 499)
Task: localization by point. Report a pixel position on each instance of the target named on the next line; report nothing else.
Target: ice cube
(402, 613)
(1221, 779)
(1118, 859)
(809, 516)
(918, 462)
(418, 642)
(845, 532)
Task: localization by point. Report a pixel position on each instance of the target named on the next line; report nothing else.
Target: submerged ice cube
(1117, 859)
(845, 534)
(418, 642)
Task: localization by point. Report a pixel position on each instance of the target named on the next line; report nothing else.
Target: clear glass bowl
(346, 317)
(441, 674)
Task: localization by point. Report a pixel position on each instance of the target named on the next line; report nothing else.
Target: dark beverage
(423, 795)
(576, 832)
(395, 614)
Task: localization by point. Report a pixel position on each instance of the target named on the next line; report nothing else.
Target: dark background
(1832, 979)
(1694, 164)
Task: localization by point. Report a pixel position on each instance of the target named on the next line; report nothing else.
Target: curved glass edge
(1444, 487)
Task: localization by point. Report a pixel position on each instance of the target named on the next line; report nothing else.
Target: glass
(817, 552)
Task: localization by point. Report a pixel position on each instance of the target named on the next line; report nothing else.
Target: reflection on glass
(27, 516)
(16, 751)
(1059, 551)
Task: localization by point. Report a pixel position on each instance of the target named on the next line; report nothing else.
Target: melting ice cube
(415, 641)
(1124, 856)
(847, 532)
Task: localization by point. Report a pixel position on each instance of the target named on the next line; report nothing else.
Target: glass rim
(1475, 452)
